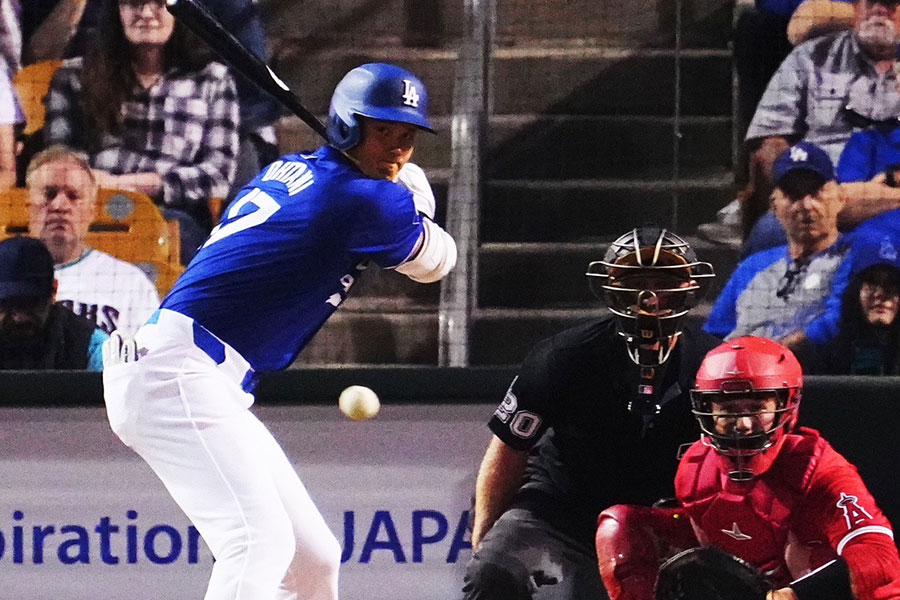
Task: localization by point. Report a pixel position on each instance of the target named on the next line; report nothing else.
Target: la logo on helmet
(798, 154)
(410, 95)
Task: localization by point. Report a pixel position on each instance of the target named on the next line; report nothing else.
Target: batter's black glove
(710, 574)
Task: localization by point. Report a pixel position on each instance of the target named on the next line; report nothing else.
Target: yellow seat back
(32, 83)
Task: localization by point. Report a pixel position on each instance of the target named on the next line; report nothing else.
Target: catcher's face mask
(745, 429)
(746, 399)
(650, 279)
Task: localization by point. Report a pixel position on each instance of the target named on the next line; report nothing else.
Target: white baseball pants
(188, 418)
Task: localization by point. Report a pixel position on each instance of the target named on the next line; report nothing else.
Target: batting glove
(119, 349)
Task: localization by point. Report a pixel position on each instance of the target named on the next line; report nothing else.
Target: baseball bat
(199, 20)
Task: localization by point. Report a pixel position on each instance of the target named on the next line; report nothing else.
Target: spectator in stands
(154, 113)
(11, 35)
(822, 91)
(812, 18)
(36, 333)
(764, 34)
(11, 116)
(55, 29)
(259, 111)
(792, 293)
(868, 339)
(62, 194)
(873, 155)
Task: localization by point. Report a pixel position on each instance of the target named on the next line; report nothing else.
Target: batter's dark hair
(108, 76)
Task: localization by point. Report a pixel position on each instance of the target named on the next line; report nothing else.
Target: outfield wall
(82, 517)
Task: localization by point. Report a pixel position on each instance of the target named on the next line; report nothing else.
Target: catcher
(760, 489)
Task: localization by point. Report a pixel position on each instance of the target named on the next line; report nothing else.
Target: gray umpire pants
(524, 558)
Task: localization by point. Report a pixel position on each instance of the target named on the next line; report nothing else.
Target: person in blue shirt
(283, 258)
(792, 293)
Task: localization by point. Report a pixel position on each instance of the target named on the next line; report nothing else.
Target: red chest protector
(749, 519)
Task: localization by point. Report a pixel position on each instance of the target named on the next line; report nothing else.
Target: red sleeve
(840, 509)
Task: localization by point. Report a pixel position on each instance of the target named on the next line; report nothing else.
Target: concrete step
(504, 337)
(499, 336)
(615, 22)
(350, 338)
(532, 276)
(624, 81)
(440, 22)
(552, 276)
(572, 147)
(565, 147)
(576, 210)
(535, 79)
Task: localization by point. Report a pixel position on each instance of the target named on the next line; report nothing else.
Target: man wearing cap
(36, 333)
(792, 293)
(826, 89)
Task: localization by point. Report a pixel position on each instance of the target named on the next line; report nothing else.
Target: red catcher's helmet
(732, 385)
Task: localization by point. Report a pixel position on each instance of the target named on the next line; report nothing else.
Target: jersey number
(265, 208)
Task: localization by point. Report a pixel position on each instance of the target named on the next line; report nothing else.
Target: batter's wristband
(831, 581)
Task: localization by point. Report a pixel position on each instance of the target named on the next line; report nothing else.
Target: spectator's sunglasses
(861, 121)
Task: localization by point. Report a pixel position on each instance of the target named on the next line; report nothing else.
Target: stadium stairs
(579, 149)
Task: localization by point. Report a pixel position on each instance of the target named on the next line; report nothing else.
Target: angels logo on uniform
(853, 512)
(410, 95)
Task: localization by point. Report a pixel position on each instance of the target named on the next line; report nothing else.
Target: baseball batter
(282, 260)
(780, 498)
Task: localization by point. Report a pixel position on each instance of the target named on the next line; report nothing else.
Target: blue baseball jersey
(868, 153)
(287, 251)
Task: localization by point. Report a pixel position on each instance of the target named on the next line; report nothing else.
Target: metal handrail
(459, 290)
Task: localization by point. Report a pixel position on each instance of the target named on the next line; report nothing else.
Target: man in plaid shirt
(174, 135)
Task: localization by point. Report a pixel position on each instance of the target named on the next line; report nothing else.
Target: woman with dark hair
(868, 341)
(153, 113)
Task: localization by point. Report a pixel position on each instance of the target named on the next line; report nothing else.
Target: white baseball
(359, 403)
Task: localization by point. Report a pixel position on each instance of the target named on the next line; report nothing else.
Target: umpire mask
(650, 279)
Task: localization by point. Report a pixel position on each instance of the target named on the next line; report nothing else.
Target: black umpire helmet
(650, 278)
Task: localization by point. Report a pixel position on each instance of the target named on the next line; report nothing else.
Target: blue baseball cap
(803, 156)
(869, 250)
(26, 268)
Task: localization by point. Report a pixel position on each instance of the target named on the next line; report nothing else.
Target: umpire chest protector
(750, 519)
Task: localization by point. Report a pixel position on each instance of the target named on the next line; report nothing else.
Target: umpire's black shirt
(569, 405)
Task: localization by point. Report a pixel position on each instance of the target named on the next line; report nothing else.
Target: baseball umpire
(284, 257)
(595, 417)
(759, 488)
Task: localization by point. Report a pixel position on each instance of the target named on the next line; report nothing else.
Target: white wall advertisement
(82, 517)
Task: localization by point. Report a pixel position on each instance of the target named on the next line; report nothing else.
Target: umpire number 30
(522, 423)
(263, 207)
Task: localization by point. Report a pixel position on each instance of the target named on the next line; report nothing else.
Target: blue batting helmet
(378, 91)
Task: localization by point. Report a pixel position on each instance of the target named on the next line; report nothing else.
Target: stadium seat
(32, 83)
(127, 225)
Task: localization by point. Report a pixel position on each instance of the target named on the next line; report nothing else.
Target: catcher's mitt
(710, 574)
